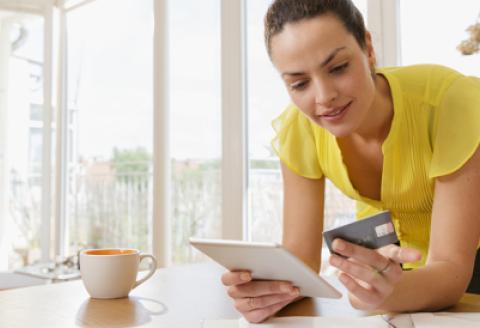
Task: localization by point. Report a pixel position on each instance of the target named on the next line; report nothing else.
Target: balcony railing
(108, 206)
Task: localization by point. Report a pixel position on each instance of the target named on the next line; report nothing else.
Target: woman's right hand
(257, 300)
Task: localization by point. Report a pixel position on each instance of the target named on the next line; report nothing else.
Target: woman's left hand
(370, 275)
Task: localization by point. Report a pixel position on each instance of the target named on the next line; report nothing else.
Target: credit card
(371, 232)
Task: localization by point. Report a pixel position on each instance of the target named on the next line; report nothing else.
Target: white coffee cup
(112, 272)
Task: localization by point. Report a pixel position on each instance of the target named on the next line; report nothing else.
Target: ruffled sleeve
(295, 143)
(456, 127)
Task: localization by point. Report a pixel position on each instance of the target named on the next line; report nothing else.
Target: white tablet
(266, 261)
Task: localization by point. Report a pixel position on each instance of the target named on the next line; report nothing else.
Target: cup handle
(153, 267)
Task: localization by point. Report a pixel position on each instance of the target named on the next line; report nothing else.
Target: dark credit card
(371, 232)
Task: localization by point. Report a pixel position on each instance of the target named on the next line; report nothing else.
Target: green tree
(131, 164)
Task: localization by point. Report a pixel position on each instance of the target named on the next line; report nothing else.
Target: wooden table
(174, 297)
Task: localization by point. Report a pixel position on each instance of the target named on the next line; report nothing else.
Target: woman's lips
(336, 114)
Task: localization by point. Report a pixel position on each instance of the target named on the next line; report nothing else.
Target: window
(195, 124)
(109, 125)
(443, 32)
(264, 177)
(21, 142)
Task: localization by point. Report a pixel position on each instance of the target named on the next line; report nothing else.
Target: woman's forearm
(433, 287)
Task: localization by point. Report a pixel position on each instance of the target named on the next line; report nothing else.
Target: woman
(399, 139)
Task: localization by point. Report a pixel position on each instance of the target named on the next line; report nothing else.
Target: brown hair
(282, 12)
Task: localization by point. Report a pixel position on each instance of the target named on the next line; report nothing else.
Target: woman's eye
(339, 68)
(298, 85)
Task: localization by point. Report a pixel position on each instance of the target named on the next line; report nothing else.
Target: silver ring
(386, 268)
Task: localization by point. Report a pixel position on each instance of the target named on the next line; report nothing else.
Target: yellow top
(435, 130)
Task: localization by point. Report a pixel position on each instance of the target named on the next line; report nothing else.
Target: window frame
(47, 11)
(383, 23)
(234, 127)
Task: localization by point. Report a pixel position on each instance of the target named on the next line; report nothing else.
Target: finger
(365, 295)
(361, 254)
(260, 315)
(364, 273)
(231, 278)
(258, 288)
(401, 254)
(251, 303)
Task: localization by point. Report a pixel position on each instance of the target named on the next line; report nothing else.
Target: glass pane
(110, 115)
(443, 33)
(195, 139)
(267, 98)
(265, 181)
(21, 110)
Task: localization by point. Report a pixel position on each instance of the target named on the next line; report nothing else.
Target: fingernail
(338, 245)
(295, 292)
(286, 288)
(334, 260)
(415, 257)
(245, 276)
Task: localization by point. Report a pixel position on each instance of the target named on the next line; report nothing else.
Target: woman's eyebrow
(329, 58)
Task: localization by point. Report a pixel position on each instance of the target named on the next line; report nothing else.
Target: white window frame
(45, 9)
(234, 127)
(61, 127)
(383, 22)
(160, 235)
(161, 230)
(45, 239)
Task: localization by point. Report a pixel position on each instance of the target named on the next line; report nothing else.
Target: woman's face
(327, 74)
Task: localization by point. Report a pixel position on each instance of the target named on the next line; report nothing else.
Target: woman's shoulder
(295, 142)
(455, 134)
(421, 71)
(425, 82)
